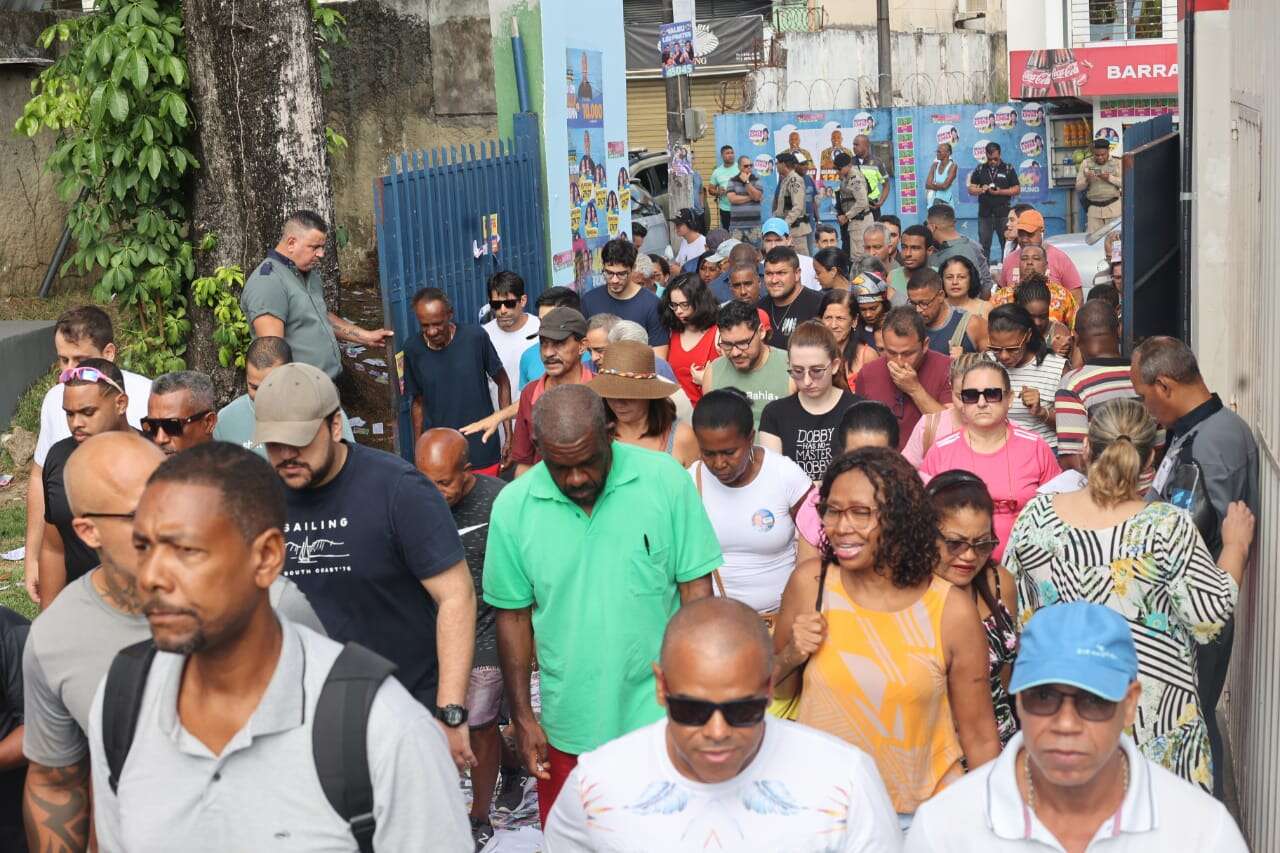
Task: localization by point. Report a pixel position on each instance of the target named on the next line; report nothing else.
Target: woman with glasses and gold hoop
(894, 660)
(1147, 561)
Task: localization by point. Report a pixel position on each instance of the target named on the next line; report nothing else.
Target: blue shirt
(454, 385)
(643, 308)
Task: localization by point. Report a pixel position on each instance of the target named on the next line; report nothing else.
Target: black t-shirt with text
(360, 547)
(807, 306)
(472, 517)
(79, 557)
(806, 438)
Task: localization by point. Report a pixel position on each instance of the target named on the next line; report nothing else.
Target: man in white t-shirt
(718, 771)
(80, 333)
(511, 325)
(1071, 779)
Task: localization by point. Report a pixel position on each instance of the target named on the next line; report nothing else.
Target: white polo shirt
(984, 813)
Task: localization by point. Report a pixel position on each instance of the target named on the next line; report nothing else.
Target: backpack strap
(122, 704)
(339, 737)
(962, 328)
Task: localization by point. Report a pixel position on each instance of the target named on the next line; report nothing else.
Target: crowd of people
(899, 557)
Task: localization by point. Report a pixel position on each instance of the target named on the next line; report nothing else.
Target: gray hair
(645, 266)
(197, 384)
(877, 227)
(603, 321)
(628, 330)
(1167, 357)
(567, 413)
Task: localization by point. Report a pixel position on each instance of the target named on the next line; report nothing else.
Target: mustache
(156, 606)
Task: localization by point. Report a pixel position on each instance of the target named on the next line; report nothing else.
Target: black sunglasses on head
(971, 395)
(172, 427)
(740, 713)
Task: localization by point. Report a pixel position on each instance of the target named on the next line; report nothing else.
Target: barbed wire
(753, 92)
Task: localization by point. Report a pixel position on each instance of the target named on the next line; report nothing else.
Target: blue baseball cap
(1079, 644)
(776, 226)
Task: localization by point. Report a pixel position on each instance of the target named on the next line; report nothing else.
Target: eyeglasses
(815, 373)
(88, 374)
(495, 304)
(740, 713)
(996, 351)
(1044, 701)
(860, 518)
(125, 515)
(737, 346)
(981, 547)
(615, 275)
(969, 396)
(680, 306)
(173, 427)
(926, 303)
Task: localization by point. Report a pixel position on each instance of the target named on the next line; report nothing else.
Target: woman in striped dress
(1034, 371)
(1146, 561)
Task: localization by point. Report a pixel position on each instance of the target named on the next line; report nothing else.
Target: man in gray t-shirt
(234, 768)
(71, 645)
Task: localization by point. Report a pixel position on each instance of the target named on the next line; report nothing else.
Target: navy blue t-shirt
(454, 385)
(360, 547)
(643, 308)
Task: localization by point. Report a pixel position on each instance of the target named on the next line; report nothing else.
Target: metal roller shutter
(647, 119)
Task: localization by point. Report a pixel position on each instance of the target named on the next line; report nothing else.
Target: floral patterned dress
(1155, 570)
(1002, 648)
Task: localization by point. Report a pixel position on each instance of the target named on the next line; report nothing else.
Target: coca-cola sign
(1138, 69)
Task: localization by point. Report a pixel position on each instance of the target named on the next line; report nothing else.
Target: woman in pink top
(1012, 461)
(936, 425)
(689, 311)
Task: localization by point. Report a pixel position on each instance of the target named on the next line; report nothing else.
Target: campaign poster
(675, 46)
(592, 169)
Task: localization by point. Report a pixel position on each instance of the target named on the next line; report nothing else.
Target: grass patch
(13, 530)
(35, 308)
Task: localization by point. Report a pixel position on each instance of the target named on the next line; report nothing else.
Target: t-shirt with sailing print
(360, 547)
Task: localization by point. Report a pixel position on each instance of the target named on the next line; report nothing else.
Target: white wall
(1035, 24)
(935, 16)
(837, 68)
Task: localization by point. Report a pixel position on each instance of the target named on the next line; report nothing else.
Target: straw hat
(629, 372)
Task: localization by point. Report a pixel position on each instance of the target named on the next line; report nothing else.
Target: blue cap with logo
(1078, 644)
(777, 226)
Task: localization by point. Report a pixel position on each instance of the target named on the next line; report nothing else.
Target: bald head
(744, 253)
(442, 455)
(719, 630)
(109, 472)
(567, 415)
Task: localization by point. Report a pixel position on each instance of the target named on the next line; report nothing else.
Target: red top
(935, 377)
(681, 360)
(523, 450)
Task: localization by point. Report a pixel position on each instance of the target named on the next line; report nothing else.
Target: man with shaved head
(590, 552)
(718, 771)
(442, 456)
(72, 643)
(284, 298)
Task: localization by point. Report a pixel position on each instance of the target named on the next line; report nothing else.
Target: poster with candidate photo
(590, 168)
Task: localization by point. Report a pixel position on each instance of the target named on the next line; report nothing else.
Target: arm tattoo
(56, 808)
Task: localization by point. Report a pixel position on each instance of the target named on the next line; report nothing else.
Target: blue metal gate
(437, 215)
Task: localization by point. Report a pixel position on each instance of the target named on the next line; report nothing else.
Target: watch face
(453, 715)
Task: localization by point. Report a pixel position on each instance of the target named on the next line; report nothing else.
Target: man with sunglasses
(511, 325)
(1072, 779)
(94, 402)
(80, 333)
(73, 642)
(746, 362)
(908, 377)
(718, 771)
(181, 412)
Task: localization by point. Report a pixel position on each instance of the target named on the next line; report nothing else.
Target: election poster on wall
(596, 170)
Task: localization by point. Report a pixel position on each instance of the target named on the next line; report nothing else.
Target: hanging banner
(717, 43)
(675, 47)
(1133, 69)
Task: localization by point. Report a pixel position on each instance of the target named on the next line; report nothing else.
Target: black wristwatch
(451, 715)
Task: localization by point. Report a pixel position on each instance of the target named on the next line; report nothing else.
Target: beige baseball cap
(292, 403)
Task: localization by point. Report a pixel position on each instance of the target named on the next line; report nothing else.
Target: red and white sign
(1135, 69)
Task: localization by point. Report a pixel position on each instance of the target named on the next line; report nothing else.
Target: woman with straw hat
(639, 404)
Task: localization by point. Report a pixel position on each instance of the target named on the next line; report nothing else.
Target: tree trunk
(259, 120)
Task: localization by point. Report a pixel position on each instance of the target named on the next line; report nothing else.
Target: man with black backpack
(234, 728)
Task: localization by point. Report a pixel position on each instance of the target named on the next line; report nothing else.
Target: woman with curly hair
(896, 657)
(689, 312)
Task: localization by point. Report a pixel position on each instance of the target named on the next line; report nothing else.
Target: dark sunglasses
(969, 396)
(495, 304)
(173, 427)
(740, 713)
(1045, 701)
(125, 515)
(981, 547)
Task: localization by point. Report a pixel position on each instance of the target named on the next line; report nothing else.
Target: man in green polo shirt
(284, 297)
(719, 184)
(590, 553)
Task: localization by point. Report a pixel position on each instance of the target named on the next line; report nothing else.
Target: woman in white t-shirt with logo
(752, 496)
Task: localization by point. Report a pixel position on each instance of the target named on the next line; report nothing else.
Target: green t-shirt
(602, 587)
(277, 288)
(770, 382)
(720, 177)
(235, 424)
